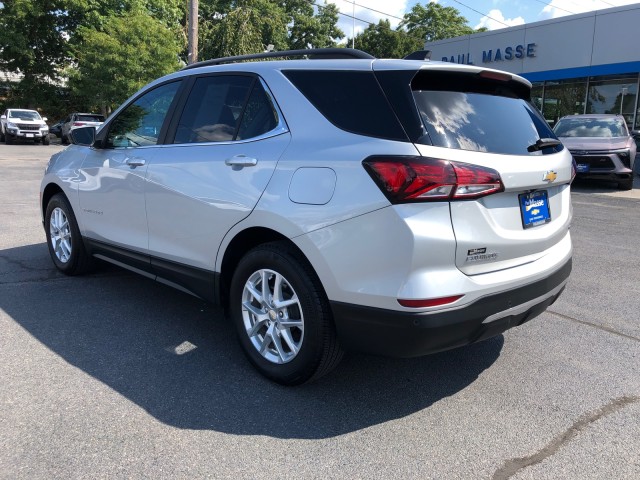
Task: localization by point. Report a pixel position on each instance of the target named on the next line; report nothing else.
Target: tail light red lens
(78, 124)
(423, 179)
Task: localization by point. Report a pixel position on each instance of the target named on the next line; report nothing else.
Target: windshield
(590, 127)
(482, 123)
(24, 115)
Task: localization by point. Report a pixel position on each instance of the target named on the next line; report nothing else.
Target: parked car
(397, 207)
(601, 145)
(56, 129)
(22, 124)
(77, 120)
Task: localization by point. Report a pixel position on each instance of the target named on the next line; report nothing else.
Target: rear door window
(468, 112)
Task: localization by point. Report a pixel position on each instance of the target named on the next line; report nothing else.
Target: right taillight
(423, 179)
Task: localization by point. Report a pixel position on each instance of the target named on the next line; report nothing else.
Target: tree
(434, 22)
(121, 57)
(382, 41)
(309, 30)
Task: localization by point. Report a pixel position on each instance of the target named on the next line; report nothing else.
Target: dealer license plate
(534, 207)
(29, 135)
(582, 167)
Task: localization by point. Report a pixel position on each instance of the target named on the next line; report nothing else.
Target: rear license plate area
(534, 208)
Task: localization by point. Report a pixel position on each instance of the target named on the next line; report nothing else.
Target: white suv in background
(77, 120)
(339, 202)
(21, 124)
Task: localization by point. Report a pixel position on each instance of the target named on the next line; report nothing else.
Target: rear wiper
(543, 143)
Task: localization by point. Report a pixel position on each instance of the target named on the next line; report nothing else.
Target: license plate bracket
(534, 208)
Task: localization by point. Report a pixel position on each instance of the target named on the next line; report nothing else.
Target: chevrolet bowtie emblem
(550, 176)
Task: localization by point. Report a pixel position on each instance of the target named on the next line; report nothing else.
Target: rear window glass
(481, 122)
(590, 127)
(89, 118)
(351, 100)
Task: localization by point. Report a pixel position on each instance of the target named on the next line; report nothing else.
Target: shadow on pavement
(177, 357)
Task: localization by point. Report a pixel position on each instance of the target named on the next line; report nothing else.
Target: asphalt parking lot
(111, 375)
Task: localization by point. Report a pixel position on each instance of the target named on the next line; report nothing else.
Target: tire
(2, 139)
(45, 140)
(291, 344)
(64, 140)
(65, 243)
(8, 139)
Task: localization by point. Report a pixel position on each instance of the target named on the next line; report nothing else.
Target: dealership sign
(497, 55)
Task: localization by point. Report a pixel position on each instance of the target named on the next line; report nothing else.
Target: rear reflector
(422, 179)
(501, 77)
(429, 302)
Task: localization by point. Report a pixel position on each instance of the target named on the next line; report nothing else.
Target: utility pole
(192, 29)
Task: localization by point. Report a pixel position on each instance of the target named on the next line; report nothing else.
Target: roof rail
(419, 55)
(312, 53)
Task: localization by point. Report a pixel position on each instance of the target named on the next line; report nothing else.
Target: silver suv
(602, 147)
(338, 202)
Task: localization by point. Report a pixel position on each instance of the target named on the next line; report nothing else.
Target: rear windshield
(89, 118)
(591, 127)
(468, 110)
(480, 122)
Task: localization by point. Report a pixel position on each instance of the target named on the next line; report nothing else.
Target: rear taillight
(423, 179)
(78, 124)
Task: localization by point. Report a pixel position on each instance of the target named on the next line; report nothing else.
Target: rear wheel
(63, 238)
(282, 316)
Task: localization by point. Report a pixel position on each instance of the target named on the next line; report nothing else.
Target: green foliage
(424, 23)
(114, 62)
(432, 22)
(382, 41)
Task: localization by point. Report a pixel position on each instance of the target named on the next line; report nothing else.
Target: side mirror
(44, 119)
(3, 117)
(83, 136)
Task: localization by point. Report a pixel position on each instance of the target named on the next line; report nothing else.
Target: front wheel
(63, 238)
(627, 184)
(282, 315)
(45, 140)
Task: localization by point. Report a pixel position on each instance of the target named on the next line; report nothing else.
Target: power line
(373, 10)
(553, 6)
(483, 14)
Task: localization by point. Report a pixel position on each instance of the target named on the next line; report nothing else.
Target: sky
(492, 14)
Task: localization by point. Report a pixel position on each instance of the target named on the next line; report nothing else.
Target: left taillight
(421, 179)
(78, 124)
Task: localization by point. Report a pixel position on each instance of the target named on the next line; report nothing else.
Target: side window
(139, 124)
(213, 108)
(259, 115)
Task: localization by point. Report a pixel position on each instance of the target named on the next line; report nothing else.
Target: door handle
(135, 162)
(240, 161)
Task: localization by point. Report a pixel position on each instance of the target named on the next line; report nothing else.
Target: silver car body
(183, 204)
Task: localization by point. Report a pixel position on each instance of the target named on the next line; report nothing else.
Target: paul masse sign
(497, 55)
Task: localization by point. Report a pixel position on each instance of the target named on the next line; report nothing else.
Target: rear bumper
(409, 334)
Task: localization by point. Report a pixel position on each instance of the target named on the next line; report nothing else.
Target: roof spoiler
(419, 55)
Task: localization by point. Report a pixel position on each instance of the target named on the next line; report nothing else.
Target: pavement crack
(514, 465)
(599, 327)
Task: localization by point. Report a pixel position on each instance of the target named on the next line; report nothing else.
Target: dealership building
(585, 63)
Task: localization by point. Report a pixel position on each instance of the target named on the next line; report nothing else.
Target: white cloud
(495, 19)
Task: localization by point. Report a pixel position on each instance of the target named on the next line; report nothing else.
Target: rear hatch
(482, 123)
